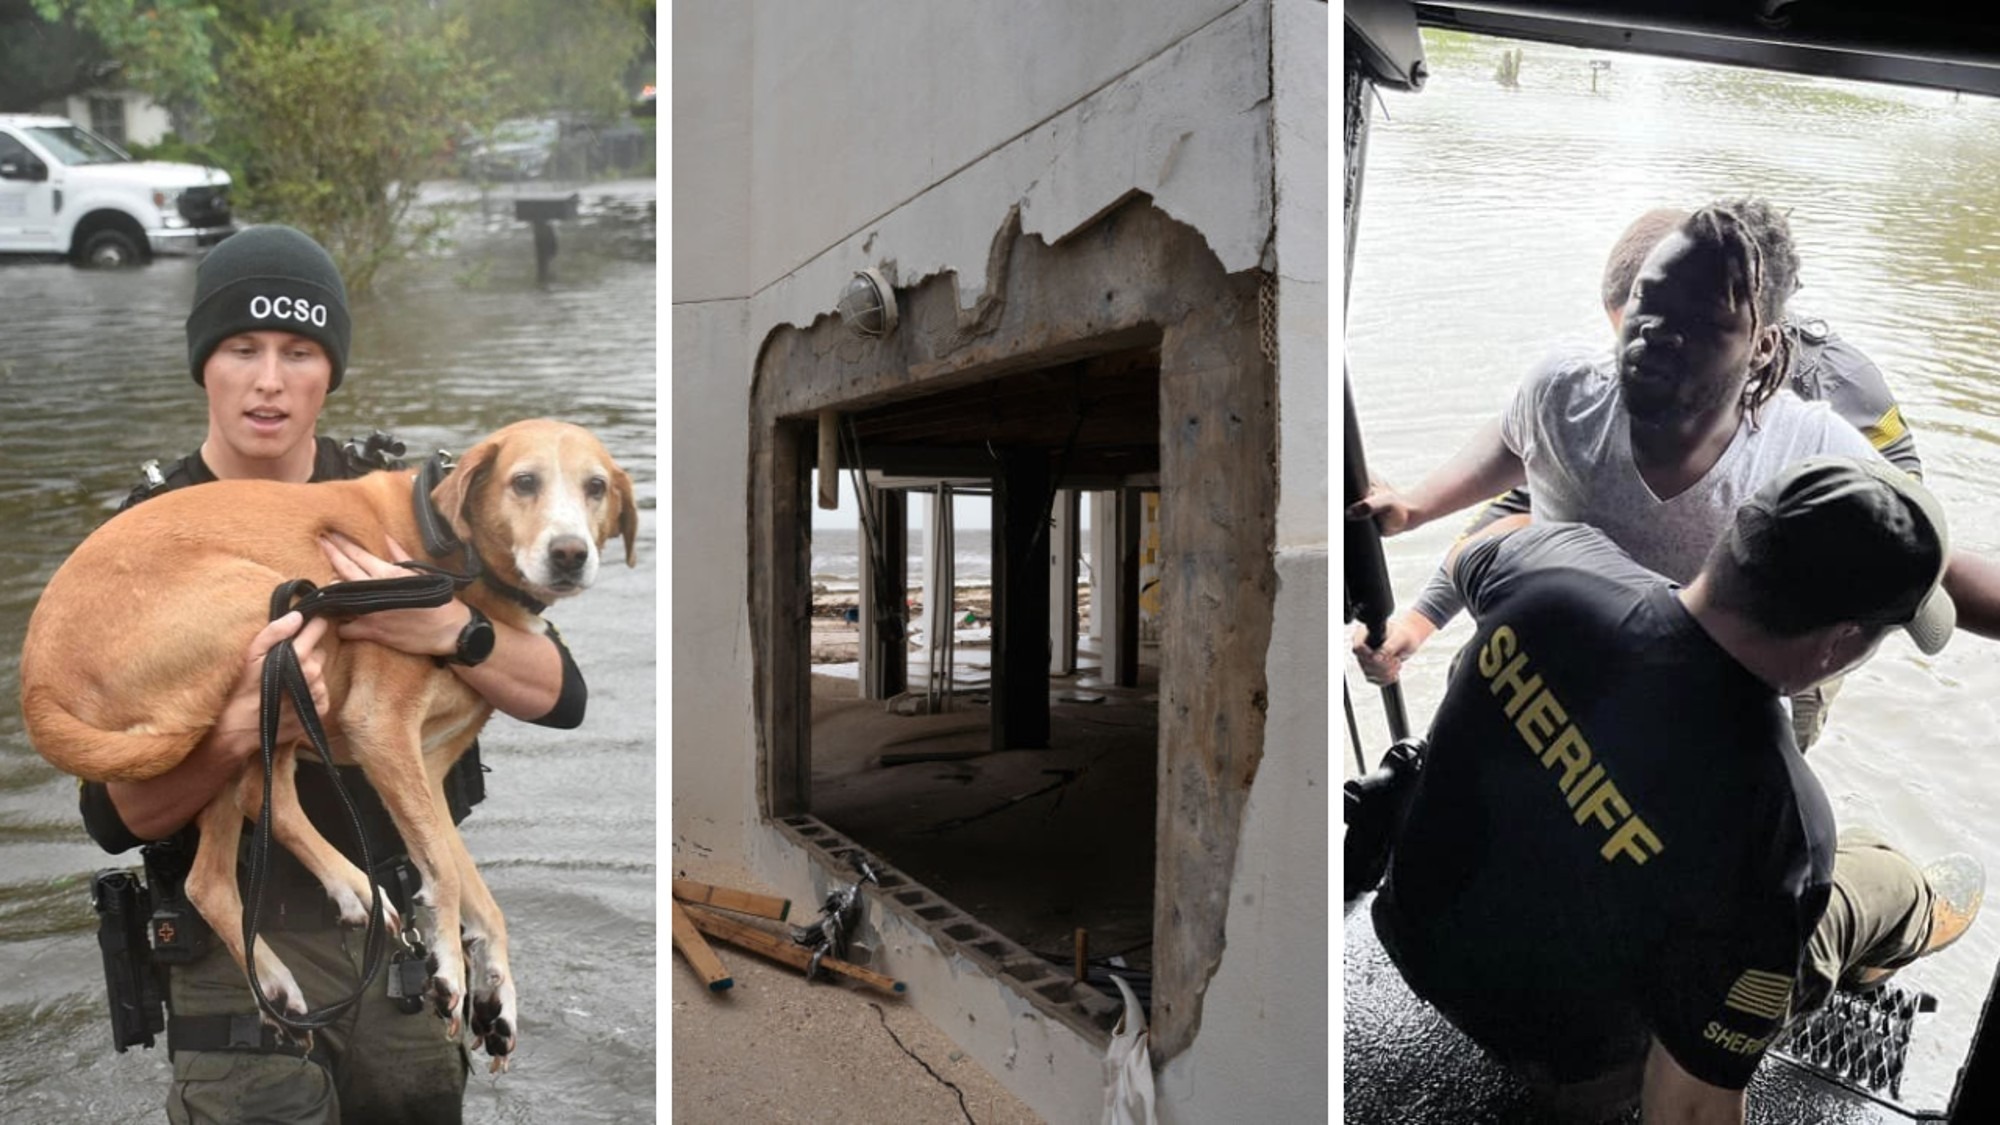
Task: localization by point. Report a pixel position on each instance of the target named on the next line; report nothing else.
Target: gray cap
(1835, 539)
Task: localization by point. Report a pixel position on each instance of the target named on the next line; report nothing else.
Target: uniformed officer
(268, 339)
(1616, 874)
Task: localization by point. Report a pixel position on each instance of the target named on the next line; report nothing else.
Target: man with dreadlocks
(1821, 367)
(1657, 443)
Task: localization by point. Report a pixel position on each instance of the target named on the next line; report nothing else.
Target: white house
(123, 117)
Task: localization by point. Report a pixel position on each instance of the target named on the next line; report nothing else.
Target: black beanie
(269, 278)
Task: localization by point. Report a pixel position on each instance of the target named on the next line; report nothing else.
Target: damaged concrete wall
(1075, 111)
(902, 136)
(709, 388)
(1188, 125)
(867, 107)
(1264, 1037)
(1134, 277)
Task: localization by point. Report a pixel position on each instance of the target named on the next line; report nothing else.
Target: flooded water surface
(1486, 217)
(94, 380)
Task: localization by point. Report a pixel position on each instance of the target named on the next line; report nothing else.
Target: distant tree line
(329, 113)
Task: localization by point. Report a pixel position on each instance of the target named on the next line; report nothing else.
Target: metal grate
(1858, 1039)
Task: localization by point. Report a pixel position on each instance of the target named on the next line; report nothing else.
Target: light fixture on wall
(868, 304)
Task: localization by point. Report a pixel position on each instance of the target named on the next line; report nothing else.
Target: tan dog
(140, 635)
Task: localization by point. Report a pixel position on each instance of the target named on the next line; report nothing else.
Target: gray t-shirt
(1569, 427)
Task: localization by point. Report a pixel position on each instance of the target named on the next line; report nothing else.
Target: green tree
(559, 55)
(338, 126)
(166, 47)
(42, 61)
(330, 112)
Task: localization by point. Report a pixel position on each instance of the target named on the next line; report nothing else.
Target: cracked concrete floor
(1034, 843)
(774, 1050)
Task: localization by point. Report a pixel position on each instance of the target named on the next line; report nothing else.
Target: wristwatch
(475, 641)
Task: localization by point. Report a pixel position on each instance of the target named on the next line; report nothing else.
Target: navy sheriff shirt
(1614, 837)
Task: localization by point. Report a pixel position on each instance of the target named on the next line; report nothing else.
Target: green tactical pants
(375, 1065)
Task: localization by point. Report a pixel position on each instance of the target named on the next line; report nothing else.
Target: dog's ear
(628, 514)
(452, 495)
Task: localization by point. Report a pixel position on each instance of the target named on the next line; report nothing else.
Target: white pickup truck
(66, 190)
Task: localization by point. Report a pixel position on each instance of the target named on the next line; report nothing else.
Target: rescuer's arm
(1672, 1096)
(527, 675)
(1855, 387)
(1482, 468)
(1406, 631)
(1973, 581)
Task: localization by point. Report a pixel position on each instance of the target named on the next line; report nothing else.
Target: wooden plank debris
(729, 898)
(699, 956)
(745, 936)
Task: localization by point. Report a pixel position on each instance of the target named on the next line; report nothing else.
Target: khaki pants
(373, 1065)
(1809, 709)
(1879, 916)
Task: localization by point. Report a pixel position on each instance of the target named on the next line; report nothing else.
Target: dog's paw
(446, 992)
(354, 910)
(280, 987)
(284, 995)
(491, 1017)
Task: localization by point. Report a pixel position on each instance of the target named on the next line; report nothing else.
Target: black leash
(284, 677)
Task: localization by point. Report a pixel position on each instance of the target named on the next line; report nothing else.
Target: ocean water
(836, 556)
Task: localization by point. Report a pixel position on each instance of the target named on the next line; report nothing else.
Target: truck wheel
(109, 250)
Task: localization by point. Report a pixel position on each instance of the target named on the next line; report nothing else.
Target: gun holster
(1375, 805)
(138, 1000)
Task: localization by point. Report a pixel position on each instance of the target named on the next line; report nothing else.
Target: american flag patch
(1761, 994)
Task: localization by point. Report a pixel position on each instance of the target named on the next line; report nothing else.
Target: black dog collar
(440, 540)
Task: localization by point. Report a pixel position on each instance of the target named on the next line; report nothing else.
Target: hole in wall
(1006, 762)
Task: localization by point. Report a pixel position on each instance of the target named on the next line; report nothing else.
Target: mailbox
(545, 208)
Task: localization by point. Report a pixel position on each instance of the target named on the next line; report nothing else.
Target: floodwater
(94, 380)
(1485, 220)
